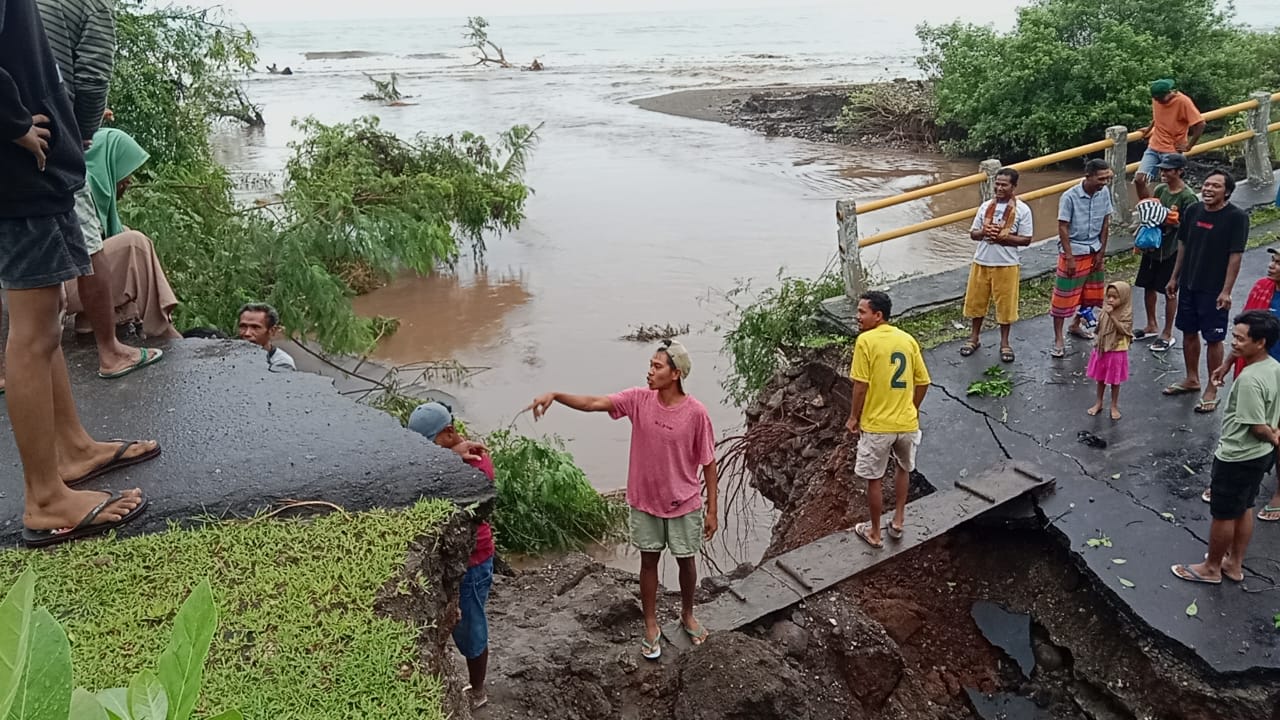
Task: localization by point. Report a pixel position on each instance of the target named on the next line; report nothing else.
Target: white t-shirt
(991, 254)
(280, 361)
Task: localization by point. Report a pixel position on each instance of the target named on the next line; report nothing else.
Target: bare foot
(1202, 570)
(1094, 410)
(1115, 412)
(79, 464)
(74, 505)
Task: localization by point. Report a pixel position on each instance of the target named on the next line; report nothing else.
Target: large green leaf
(181, 666)
(147, 699)
(15, 634)
(84, 706)
(45, 690)
(116, 702)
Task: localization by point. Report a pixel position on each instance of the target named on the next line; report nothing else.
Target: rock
(790, 638)
(1049, 657)
(901, 618)
(865, 655)
(810, 453)
(818, 402)
(775, 401)
(605, 606)
(735, 676)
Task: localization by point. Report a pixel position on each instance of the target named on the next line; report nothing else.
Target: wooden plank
(827, 561)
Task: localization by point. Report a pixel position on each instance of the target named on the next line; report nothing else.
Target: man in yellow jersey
(889, 383)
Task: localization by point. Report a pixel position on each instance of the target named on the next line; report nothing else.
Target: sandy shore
(715, 104)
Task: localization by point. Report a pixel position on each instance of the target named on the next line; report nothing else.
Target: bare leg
(1191, 356)
(99, 305)
(1097, 406)
(1274, 502)
(688, 585)
(1058, 340)
(975, 336)
(477, 669)
(875, 505)
(901, 483)
(1140, 184)
(649, 594)
(1170, 314)
(39, 391)
(1214, 358)
(1150, 298)
(1115, 401)
(1221, 538)
(1233, 563)
(1004, 336)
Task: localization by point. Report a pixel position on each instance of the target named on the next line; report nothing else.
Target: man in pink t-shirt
(671, 439)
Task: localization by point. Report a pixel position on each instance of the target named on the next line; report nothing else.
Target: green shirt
(1183, 199)
(1254, 400)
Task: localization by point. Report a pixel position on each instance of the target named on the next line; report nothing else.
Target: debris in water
(1009, 631)
(1004, 706)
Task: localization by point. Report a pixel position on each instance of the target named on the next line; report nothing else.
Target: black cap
(1274, 251)
(1172, 161)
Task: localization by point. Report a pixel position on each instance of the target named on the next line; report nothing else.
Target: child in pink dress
(1109, 361)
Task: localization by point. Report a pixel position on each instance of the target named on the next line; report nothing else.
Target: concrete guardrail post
(1257, 154)
(987, 189)
(1117, 156)
(850, 254)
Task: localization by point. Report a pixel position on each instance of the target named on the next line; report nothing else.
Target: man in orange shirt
(1175, 127)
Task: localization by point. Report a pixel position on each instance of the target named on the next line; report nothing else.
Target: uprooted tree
(477, 37)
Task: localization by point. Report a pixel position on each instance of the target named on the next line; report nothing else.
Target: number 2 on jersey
(900, 361)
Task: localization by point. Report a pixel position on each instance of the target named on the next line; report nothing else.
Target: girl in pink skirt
(1109, 361)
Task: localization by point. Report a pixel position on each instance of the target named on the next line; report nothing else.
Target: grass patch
(298, 636)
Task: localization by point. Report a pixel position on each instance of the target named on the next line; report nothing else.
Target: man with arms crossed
(1246, 450)
(889, 383)
(1211, 242)
(671, 438)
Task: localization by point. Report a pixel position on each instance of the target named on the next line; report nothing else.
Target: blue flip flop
(1192, 575)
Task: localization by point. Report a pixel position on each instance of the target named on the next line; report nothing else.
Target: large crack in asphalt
(988, 419)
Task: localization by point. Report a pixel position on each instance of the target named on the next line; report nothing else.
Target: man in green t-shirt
(1157, 265)
(1246, 450)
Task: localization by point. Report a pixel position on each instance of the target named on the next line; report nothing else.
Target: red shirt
(484, 533)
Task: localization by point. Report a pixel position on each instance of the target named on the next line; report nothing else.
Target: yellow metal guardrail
(1117, 144)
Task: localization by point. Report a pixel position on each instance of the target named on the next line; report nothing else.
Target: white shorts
(874, 450)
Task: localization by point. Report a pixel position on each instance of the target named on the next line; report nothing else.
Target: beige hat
(679, 357)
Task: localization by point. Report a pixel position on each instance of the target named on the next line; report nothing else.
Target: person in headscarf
(1109, 361)
(140, 290)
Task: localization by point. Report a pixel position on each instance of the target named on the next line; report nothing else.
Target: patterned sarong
(1083, 289)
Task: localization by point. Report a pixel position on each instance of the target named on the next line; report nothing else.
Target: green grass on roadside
(297, 635)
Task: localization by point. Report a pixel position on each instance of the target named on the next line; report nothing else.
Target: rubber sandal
(1205, 407)
(697, 637)
(1269, 509)
(1191, 575)
(861, 530)
(146, 358)
(1162, 345)
(1058, 352)
(895, 533)
(969, 348)
(1207, 495)
(85, 528)
(1224, 573)
(651, 650)
(116, 462)
(1179, 389)
(1081, 334)
(1006, 355)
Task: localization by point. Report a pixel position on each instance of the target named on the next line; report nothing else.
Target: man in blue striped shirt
(1084, 224)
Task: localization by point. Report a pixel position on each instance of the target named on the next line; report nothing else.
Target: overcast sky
(250, 10)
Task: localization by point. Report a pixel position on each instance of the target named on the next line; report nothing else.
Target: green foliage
(765, 327)
(1071, 68)
(545, 502)
(997, 383)
(43, 687)
(894, 112)
(298, 633)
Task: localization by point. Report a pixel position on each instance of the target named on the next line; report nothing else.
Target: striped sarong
(1085, 288)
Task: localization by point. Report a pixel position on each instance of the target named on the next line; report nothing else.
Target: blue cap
(430, 419)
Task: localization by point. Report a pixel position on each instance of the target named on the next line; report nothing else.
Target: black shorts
(1234, 485)
(1154, 273)
(1198, 313)
(41, 252)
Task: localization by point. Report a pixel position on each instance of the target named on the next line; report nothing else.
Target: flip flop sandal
(895, 533)
(1179, 389)
(116, 462)
(1058, 352)
(651, 650)
(1269, 509)
(1207, 495)
(1006, 355)
(1163, 345)
(1082, 334)
(1225, 575)
(85, 528)
(861, 530)
(697, 637)
(149, 356)
(1205, 407)
(969, 348)
(1191, 575)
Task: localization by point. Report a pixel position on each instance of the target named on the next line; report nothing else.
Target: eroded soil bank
(899, 641)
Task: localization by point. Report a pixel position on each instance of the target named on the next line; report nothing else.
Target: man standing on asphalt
(1176, 126)
(889, 383)
(1211, 241)
(1002, 225)
(41, 246)
(671, 440)
(1157, 265)
(1246, 450)
(1084, 225)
